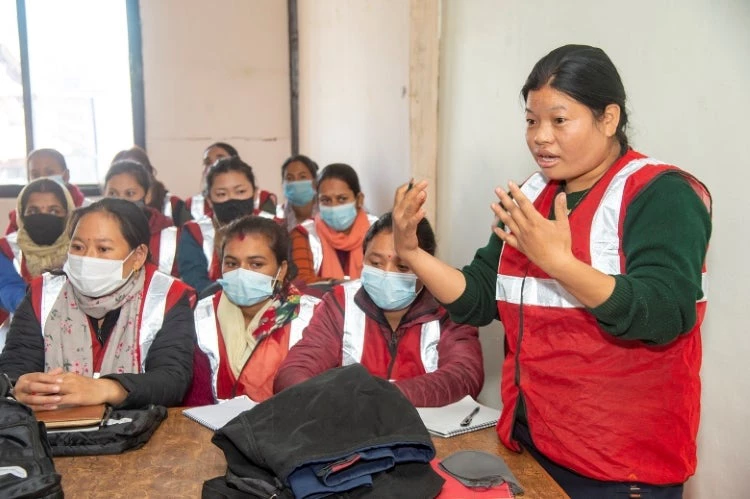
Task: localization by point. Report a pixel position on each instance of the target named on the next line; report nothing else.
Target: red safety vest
(160, 293)
(605, 408)
(363, 342)
(256, 378)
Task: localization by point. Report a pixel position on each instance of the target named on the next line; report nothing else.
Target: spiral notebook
(446, 421)
(217, 415)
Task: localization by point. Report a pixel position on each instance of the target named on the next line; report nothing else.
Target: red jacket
(605, 408)
(429, 371)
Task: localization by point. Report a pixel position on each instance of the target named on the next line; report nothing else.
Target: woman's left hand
(82, 390)
(547, 243)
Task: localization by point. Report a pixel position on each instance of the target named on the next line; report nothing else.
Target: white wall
(685, 67)
(216, 71)
(354, 76)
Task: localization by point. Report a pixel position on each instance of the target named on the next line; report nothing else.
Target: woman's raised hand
(407, 212)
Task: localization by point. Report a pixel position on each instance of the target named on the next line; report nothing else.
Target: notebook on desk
(446, 421)
(83, 418)
(215, 416)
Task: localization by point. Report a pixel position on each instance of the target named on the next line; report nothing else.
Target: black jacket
(340, 414)
(169, 364)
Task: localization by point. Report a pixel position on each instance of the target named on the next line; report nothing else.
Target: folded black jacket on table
(344, 433)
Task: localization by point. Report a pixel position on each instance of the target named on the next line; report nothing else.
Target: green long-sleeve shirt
(666, 233)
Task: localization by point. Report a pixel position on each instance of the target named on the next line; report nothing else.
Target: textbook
(459, 417)
(87, 417)
(215, 416)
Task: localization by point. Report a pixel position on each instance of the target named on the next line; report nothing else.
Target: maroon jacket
(460, 370)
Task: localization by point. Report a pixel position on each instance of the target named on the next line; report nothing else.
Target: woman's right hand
(40, 391)
(407, 213)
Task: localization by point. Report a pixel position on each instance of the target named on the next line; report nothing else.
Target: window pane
(12, 127)
(80, 82)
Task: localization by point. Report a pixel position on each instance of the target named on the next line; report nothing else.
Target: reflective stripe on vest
(152, 310)
(353, 340)
(208, 333)
(604, 245)
(208, 232)
(12, 240)
(316, 247)
(196, 207)
(167, 249)
(167, 210)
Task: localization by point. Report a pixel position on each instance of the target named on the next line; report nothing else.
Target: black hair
(425, 234)
(131, 219)
(130, 167)
(311, 165)
(587, 75)
(223, 145)
(276, 235)
(226, 165)
(342, 172)
(139, 155)
(44, 185)
(53, 153)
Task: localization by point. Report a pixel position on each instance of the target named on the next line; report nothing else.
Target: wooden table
(180, 457)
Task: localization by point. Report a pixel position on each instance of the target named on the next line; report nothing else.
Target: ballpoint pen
(467, 419)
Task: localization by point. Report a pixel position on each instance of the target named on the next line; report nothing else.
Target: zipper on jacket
(517, 375)
(237, 382)
(393, 347)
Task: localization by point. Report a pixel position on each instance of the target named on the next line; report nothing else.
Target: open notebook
(217, 415)
(446, 421)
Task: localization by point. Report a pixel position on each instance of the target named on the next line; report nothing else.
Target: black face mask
(43, 229)
(233, 209)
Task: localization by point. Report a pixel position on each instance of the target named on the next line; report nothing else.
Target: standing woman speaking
(595, 267)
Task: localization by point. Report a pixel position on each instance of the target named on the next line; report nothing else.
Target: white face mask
(95, 277)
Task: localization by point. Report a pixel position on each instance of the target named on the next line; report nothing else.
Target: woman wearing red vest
(595, 270)
(129, 180)
(247, 327)
(111, 329)
(392, 325)
(329, 246)
(39, 245)
(199, 205)
(230, 191)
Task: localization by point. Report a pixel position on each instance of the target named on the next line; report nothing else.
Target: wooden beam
(424, 52)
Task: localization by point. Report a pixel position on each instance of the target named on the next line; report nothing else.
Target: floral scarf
(67, 332)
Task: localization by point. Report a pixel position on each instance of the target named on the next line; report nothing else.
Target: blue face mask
(245, 287)
(389, 290)
(299, 193)
(57, 178)
(339, 217)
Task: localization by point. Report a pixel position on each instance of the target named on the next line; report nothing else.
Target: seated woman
(329, 247)
(247, 327)
(129, 180)
(230, 190)
(40, 245)
(390, 323)
(157, 196)
(199, 206)
(298, 176)
(48, 163)
(111, 329)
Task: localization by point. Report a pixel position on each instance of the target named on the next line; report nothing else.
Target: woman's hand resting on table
(47, 391)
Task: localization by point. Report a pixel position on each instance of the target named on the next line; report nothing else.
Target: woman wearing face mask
(40, 245)
(390, 323)
(230, 189)
(157, 196)
(298, 177)
(247, 327)
(329, 247)
(129, 180)
(48, 163)
(111, 329)
(199, 204)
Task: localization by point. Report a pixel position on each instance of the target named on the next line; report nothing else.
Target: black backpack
(26, 466)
